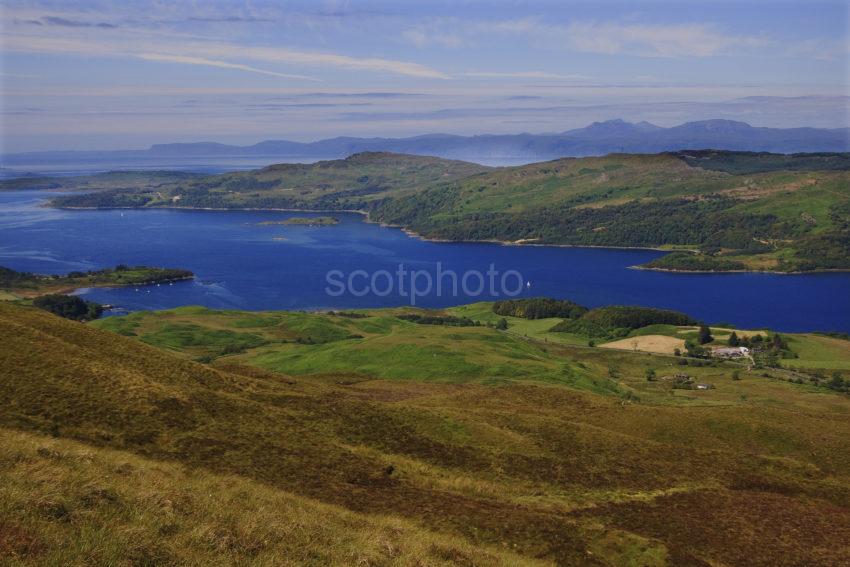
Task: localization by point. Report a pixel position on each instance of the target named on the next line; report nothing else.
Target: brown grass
(659, 344)
(543, 471)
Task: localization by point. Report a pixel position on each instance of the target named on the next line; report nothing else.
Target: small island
(695, 262)
(27, 284)
(303, 221)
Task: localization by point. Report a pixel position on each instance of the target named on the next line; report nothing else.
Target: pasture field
(658, 344)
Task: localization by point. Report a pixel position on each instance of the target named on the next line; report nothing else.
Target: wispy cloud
(283, 55)
(656, 40)
(422, 37)
(608, 37)
(614, 38)
(212, 63)
(228, 19)
(821, 49)
(65, 23)
(523, 75)
(164, 46)
(57, 21)
(194, 52)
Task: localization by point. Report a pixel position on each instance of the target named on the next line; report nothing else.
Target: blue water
(241, 265)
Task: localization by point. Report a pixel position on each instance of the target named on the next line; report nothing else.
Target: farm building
(731, 352)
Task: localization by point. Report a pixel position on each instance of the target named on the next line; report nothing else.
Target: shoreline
(795, 273)
(522, 242)
(72, 290)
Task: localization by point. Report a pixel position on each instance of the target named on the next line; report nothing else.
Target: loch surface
(243, 264)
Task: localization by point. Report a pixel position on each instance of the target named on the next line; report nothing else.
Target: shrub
(705, 335)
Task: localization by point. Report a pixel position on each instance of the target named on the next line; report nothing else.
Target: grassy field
(381, 344)
(504, 449)
(819, 352)
(657, 344)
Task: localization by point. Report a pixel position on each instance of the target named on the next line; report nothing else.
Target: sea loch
(243, 264)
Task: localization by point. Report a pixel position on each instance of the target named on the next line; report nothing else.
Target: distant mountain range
(599, 138)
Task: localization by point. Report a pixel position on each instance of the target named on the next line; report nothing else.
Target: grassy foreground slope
(754, 472)
(65, 502)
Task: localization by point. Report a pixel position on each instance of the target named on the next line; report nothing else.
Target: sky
(116, 74)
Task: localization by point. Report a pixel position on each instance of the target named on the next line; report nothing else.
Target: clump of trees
(11, 279)
(348, 314)
(618, 321)
(539, 308)
(69, 307)
(766, 350)
(632, 317)
(439, 320)
(704, 336)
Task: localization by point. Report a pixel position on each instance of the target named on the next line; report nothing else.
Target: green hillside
(721, 210)
(113, 450)
(738, 209)
(114, 180)
(350, 183)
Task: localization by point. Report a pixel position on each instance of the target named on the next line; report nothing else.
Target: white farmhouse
(731, 352)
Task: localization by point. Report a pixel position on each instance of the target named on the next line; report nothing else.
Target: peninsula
(720, 210)
(28, 285)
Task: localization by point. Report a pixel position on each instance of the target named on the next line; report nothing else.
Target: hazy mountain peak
(717, 125)
(598, 138)
(613, 127)
(647, 126)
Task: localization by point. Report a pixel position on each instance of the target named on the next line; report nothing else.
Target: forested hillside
(737, 210)
(741, 211)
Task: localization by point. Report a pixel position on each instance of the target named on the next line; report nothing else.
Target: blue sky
(124, 74)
